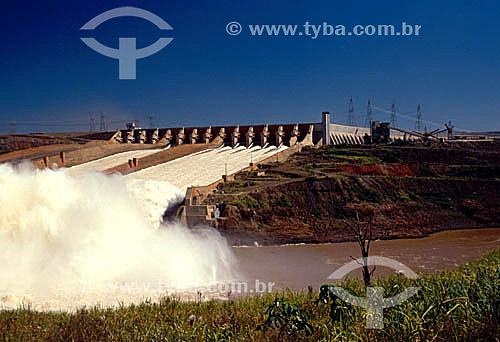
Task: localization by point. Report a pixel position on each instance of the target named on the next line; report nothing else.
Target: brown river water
(292, 267)
(298, 266)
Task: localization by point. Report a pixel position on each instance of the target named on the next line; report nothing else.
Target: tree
(364, 236)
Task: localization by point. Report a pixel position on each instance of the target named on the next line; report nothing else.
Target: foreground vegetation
(458, 305)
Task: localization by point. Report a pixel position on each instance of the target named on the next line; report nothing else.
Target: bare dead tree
(364, 236)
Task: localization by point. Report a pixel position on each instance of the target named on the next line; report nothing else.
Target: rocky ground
(405, 191)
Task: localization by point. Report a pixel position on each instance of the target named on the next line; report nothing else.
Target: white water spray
(58, 230)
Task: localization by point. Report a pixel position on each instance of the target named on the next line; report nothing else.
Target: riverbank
(462, 305)
(405, 192)
(299, 266)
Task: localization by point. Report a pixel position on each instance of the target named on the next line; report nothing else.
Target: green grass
(458, 305)
(246, 202)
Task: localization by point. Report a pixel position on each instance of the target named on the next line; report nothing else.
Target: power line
(403, 115)
(65, 123)
(81, 122)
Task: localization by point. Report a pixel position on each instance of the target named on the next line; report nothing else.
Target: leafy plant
(340, 311)
(289, 318)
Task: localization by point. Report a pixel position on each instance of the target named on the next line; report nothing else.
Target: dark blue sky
(51, 81)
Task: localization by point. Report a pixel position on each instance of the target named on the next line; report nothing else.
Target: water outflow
(59, 231)
(205, 167)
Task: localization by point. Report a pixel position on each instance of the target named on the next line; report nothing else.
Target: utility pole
(418, 122)
(393, 115)
(102, 126)
(369, 116)
(351, 120)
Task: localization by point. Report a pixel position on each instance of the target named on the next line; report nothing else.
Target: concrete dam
(193, 159)
(248, 135)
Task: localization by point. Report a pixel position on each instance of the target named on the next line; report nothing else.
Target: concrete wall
(192, 213)
(84, 154)
(354, 135)
(257, 129)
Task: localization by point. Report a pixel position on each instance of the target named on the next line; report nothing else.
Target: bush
(286, 317)
(283, 202)
(246, 202)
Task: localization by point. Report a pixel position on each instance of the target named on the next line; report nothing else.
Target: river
(297, 266)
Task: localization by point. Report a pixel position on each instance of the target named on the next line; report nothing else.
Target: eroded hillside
(406, 191)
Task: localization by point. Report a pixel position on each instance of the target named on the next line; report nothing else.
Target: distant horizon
(144, 124)
(456, 131)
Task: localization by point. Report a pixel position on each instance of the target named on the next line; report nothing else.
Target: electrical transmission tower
(351, 120)
(151, 118)
(12, 127)
(418, 122)
(102, 125)
(393, 115)
(369, 116)
(92, 122)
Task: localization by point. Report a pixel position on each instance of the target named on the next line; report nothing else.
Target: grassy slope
(458, 305)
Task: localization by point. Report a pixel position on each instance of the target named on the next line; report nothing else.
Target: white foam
(58, 232)
(205, 168)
